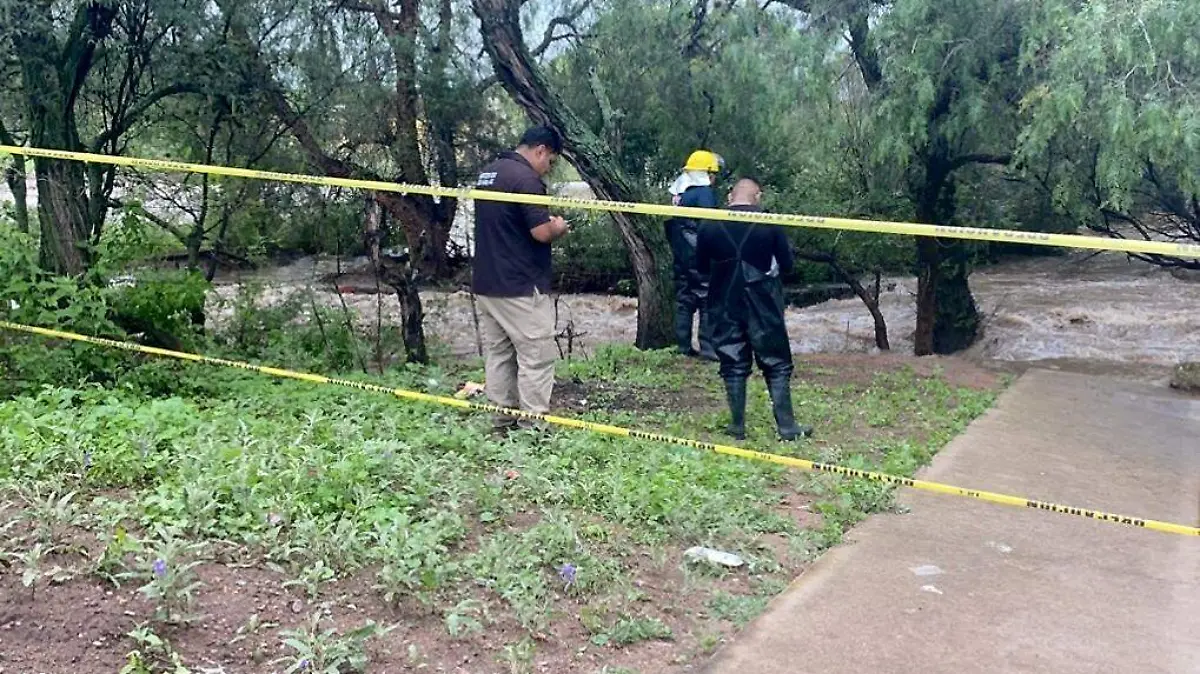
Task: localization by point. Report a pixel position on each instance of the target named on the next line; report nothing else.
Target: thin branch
(568, 20)
(171, 227)
(486, 83)
(980, 158)
(131, 117)
(699, 15)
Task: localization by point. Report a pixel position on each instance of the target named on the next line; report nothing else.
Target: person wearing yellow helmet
(703, 160)
(694, 188)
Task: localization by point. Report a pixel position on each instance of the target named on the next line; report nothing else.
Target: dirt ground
(80, 627)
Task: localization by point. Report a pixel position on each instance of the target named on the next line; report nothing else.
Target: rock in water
(1187, 377)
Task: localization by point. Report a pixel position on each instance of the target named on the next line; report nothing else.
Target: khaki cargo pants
(519, 352)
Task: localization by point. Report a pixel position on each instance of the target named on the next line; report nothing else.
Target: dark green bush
(162, 308)
(32, 296)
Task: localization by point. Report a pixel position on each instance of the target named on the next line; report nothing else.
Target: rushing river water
(1104, 309)
(1082, 307)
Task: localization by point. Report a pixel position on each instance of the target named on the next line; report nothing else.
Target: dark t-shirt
(722, 244)
(681, 232)
(698, 196)
(509, 262)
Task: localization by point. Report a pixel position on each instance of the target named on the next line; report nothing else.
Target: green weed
(327, 652)
(708, 643)
(50, 514)
(466, 618)
(628, 631)
(525, 569)
(415, 555)
(737, 609)
(253, 627)
(168, 569)
(153, 655)
(311, 576)
(518, 656)
(619, 363)
(32, 563)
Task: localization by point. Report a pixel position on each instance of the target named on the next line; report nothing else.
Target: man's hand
(550, 230)
(561, 225)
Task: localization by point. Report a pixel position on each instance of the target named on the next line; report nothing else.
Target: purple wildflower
(304, 665)
(567, 573)
(160, 568)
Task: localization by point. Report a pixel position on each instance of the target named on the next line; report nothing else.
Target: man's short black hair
(542, 135)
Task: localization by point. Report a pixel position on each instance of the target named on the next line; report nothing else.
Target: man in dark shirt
(745, 301)
(511, 277)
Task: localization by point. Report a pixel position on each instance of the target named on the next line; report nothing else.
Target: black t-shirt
(698, 196)
(721, 244)
(509, 262)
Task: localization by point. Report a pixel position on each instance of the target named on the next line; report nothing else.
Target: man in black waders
(745, 304)
(693, 189)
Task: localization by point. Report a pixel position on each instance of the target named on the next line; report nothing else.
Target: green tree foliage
(944, 101)
(738, 79)
(1114, 122)
(90, 74)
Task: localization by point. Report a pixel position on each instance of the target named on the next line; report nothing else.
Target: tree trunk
(63, 216)
(218, 244)
(52, 74)
(947, 318)
(500, 29)
(195, 241)
(956, 321)
(411, 213)
(881, 336)
(425, 226)
(401, 277)
(872, 304)
(928, 277)
(412, 319)
(15, 177)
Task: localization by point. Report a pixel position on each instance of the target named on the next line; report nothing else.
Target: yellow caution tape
(607, 429)
(790, 220)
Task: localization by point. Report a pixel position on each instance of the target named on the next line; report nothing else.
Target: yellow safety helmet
(703, 160)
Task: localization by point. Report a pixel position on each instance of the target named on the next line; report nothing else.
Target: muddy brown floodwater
(1101, 313)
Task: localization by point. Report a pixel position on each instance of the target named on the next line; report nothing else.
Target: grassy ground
(185, 518)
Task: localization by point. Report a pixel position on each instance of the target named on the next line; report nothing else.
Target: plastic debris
(926, 570)
(713, 556)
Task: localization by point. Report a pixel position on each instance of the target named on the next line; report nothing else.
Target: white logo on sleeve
(486, 179)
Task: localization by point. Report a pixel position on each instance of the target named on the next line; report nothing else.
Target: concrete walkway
(963, 586)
